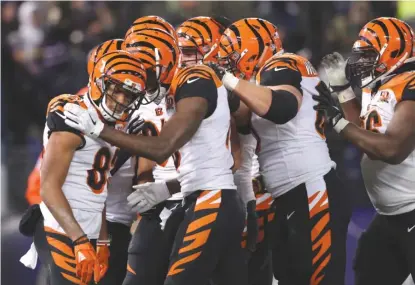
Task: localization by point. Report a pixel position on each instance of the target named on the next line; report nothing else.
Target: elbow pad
(284, 107)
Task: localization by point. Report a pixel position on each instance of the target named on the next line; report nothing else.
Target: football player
(148, 254)
(208, 239)
(382, 64)
(308, 233)
(72, 238)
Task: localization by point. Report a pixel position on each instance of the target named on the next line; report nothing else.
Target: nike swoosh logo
(410, 229)
(278, 69)
(192, 80)
(94, 122)
(62, 116)
(289, 216)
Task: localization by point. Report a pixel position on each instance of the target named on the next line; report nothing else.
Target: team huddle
(211, 139)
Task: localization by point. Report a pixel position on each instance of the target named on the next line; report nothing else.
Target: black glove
(135, 125)
(251, 226)
(327, 105)
(220, 71)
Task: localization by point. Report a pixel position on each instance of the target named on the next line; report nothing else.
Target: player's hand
(84, 120)
(85, 259)
(135, 125)
(327, 104)
(147, 195)
(251, 225)
(335, 67)
(103, 254)
(258, 185)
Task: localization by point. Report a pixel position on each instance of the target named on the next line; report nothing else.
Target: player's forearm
(58, 205)
(103, 233)
(173, 186)
(260, 103)
(152, 148)
(377, 146)
(351, 110)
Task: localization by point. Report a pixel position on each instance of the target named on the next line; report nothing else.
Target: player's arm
(144, 171)
(395, 144)
(194, 102)
(235, 146)
(103, 233)
(278, 97)
(55, 165)
(176, 132)
(351, 109)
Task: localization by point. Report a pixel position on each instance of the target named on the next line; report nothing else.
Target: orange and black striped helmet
(151, 22)
(197, 35)
(158, 52)
(114, 73)
(246, 45)
(384, 45)
(101, 49)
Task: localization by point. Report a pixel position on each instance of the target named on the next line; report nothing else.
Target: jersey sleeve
(280, 76)
(55, 121)
(199, 87)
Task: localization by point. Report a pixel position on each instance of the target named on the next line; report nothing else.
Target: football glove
(84, 120)
(85, 258)
(103, 254)
(333, 117)
(335, 67)
(135, 125)
(148, 195)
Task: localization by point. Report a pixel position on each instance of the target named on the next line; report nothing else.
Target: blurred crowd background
(44, 46)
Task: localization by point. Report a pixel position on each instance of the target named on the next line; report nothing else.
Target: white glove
(86, 121)
(229, 81)
(335, 67)
(147, 196)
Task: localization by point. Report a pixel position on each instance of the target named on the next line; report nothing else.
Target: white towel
(30, 258)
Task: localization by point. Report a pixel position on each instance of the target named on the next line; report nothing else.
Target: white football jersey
(247, 171)
(205, 160)
(291, 154)
(85, 185)
(119, 187)
(156, 116)
(391, 188)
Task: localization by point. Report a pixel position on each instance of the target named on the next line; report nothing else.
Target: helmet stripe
(261, 22)
(108, 47)
(230, 43)
(401, 38)
(384, 28)
(366, 40)
(163, 41)
(261, 44)
(375, 36)
(235, 30)
(197, 31)
(204, 25)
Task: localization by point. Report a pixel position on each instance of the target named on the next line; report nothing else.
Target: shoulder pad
(190, 72)
(291, 61)
(57, 103)
(402, 85)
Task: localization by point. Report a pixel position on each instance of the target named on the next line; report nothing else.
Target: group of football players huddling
(210, 138)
